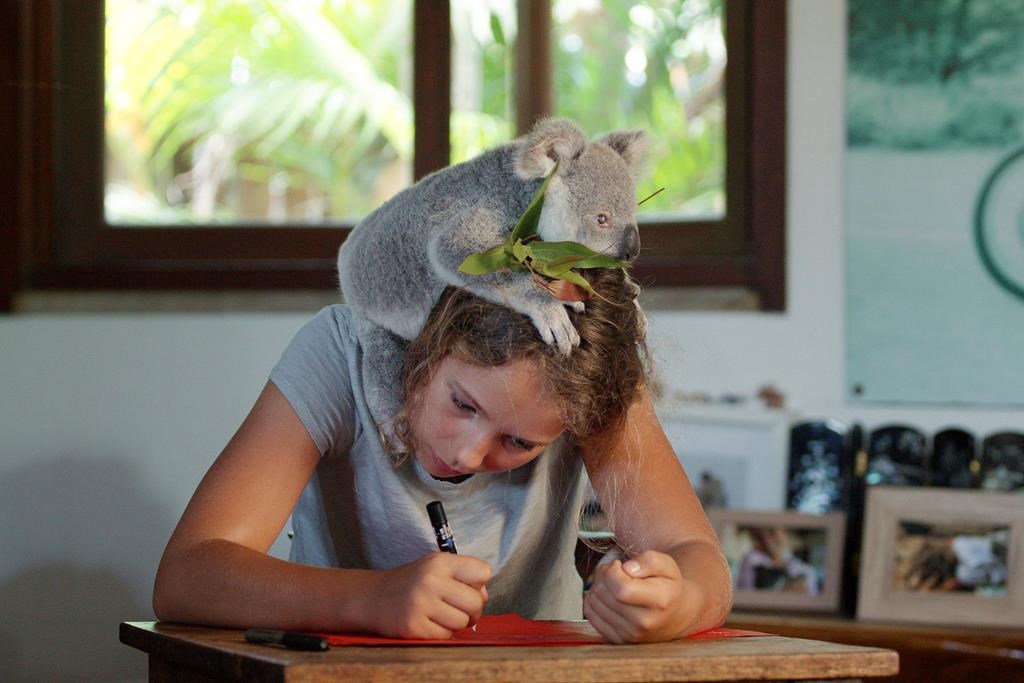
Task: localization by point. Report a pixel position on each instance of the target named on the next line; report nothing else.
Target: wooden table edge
(221, 657)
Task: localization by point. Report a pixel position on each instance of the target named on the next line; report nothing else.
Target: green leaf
(497, 32)
(520, 252)
(553, 250)
(489, 261)
(555, 271)
(576, 279)
(527, 225)
(581, 255)
(601, 261)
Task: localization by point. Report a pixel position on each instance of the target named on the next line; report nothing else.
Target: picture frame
(943, 557)
(808, 580)
(745, 451)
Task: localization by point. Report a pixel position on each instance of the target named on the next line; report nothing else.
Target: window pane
(253, 111)
(483, 36)
(660, 66)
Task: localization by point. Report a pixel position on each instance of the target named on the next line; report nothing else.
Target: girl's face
(482, 419)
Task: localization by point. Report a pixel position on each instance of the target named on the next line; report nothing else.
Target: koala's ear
(631, 146)
(551, 140)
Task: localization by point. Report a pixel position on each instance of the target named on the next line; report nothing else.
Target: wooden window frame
(57, 237)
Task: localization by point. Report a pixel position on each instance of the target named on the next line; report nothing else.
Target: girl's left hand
(644, 599)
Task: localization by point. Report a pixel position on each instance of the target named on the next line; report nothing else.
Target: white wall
(802, 350)
(107, 422)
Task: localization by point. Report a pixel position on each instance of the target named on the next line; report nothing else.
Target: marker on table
(445, 542)
(289, 639)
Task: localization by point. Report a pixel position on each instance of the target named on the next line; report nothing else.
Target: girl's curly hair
(593, 386)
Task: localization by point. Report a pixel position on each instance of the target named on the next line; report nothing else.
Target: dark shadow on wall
(81, 541)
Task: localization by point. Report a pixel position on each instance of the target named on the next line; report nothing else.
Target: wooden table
(190, 654)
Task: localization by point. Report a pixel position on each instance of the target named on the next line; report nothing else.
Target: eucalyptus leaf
(576, 279)
(517, 267)
(521, 252)
(581, 255)
(553, 250)
(527, 224)
(492, 260)
(600, 261)
(555, 271)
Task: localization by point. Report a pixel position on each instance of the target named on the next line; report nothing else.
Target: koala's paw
(554, 326)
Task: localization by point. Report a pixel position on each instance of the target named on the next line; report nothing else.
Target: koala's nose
(630, 245)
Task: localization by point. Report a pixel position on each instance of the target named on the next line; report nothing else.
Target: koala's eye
(602, 219)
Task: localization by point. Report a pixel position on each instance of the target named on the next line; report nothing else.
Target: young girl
(496, 424)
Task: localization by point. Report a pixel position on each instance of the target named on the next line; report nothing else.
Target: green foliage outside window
(279, 111)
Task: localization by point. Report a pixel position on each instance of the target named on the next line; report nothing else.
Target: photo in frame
(736, 457)
(783, 560)
(943, 556)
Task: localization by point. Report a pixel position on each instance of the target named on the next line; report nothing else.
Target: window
(246, 207)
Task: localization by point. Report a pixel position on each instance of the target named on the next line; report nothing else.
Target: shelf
(927, 653)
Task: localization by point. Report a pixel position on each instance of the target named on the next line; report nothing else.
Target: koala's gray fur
(397, 261)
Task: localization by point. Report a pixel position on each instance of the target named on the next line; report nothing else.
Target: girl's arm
(677, 580)
(215, 569)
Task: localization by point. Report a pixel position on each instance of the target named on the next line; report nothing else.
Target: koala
(397, 261)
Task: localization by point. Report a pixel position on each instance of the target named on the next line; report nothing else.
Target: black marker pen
(292, 641)
(445, 542)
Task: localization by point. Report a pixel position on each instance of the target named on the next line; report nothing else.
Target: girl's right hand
(431, 597)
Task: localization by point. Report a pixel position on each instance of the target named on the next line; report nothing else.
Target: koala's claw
(546, 335)
(567, 338)
(555, 328)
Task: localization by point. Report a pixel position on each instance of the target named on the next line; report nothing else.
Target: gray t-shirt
(360, 510)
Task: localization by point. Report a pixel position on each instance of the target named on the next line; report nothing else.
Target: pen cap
(436, 512)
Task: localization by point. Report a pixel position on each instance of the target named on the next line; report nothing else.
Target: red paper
(512, 629)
